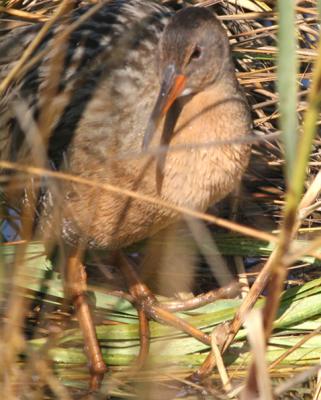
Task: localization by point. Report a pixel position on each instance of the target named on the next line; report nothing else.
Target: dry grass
(268, 224)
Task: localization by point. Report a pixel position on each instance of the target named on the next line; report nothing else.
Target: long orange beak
(172, 86)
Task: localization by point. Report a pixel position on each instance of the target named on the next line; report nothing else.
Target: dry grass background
(41, 353)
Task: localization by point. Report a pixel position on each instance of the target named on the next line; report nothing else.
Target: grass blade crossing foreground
(287, 81)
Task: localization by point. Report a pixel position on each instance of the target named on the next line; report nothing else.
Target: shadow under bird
(134, 76)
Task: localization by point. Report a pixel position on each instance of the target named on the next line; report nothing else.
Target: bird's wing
(90, 52)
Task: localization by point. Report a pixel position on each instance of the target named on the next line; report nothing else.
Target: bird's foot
(150, 308)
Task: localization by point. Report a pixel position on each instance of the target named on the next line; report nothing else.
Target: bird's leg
(146, 301)
(143, 337)
(76, 290)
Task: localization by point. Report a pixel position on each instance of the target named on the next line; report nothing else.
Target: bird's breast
(201, 166)
(206, 157)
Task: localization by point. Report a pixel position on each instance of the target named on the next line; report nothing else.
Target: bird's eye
(197, 53)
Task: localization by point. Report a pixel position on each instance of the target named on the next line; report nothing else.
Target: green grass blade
(287, 85)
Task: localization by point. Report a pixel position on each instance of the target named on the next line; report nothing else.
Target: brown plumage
(137, 75)
(112, 127)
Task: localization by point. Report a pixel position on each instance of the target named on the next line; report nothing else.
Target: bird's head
(192, 52)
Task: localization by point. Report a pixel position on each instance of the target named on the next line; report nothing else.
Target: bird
(148, 101)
